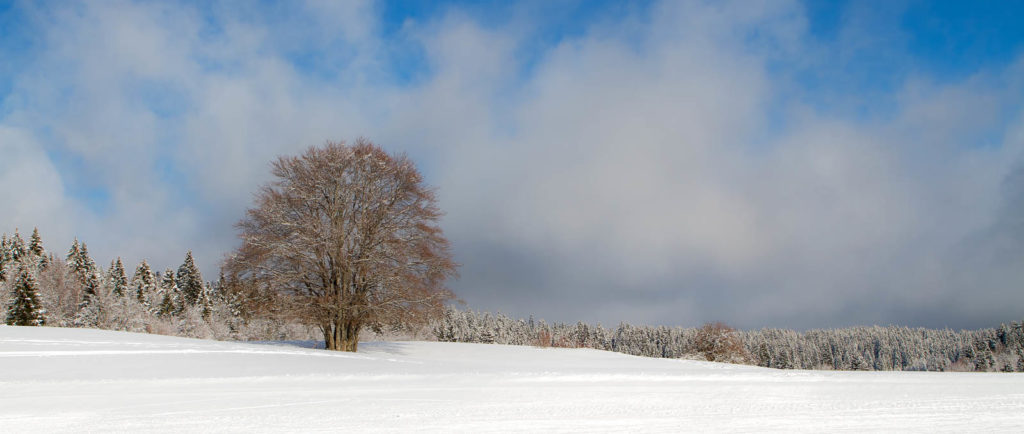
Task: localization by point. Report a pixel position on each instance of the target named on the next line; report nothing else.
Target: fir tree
(205, 300)
(143, 282)
(84, 258)
(118, 280)
(85, 270)
(764, 354)
(859, 364)
(44, 261)
(74, 255)
(5, 257)
(24, 308)
(190, 281)
(35, 249)
(169, 303)
(16, 247)
(35, 244)
(984, 361)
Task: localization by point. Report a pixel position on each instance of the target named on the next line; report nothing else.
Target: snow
(75, 380)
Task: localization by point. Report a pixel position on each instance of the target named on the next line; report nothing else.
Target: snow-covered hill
(78, 380)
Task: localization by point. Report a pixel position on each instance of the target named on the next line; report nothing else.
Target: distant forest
(41, 288)
(999, 349)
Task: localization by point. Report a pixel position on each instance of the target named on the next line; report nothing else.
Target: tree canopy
(347, 237)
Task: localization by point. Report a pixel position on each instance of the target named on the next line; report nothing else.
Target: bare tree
(346, 237)
(62, 293)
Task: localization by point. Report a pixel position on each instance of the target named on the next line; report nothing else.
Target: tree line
(855, 348)
(38, 287)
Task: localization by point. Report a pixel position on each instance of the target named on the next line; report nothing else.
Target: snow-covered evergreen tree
(16, 247)
(205, 301)
(118, 279)
(36, 250)
(74, 256)
(35, 243)
(86, 260)
(170, 303)
(96, 307)
(84, 269)
(25, 308)
(5, 257)
(144, 283)
(190, 281)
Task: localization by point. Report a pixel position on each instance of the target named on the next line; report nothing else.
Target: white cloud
(651, 170)
(32, 194)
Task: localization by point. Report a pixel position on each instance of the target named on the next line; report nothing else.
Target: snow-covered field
(59, 380)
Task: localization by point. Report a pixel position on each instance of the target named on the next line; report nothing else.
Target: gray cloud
(655, 169)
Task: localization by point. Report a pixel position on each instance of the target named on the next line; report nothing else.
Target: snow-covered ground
(54, 380)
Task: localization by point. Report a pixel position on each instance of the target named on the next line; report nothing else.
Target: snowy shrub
(192, 324)
(718, 342)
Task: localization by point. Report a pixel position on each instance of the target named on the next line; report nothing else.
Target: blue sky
(795, 164)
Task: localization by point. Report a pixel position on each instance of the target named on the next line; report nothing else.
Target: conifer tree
(205, 300)
(16, 247)
(764, 354)
(118, 280)
(74, 255)
(35, 243)
(84, 269)
(143, 282)
(36, 250)
(5, 257)
(25, 308)
(169, 303)
(86, 260)
(190, 281)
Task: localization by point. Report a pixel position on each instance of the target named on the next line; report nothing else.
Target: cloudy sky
(773, 163)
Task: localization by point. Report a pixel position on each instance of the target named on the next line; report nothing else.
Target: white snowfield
(77, 380)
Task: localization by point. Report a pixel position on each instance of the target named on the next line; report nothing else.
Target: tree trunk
(329, 341)
(341, 335)
(349, 336)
